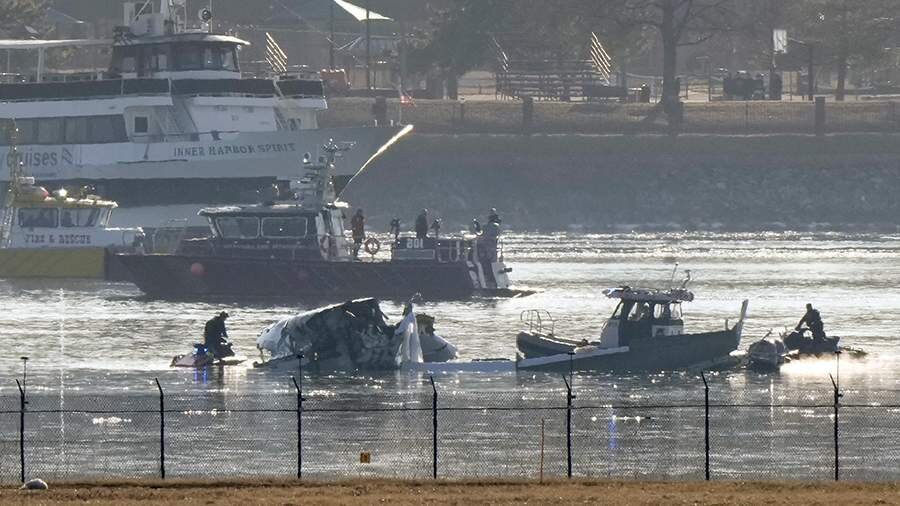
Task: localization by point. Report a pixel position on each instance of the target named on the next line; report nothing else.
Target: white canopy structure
(360, 12)
(46, 44)
(42, 45)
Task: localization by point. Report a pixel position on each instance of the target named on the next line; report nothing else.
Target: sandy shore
(462, 493)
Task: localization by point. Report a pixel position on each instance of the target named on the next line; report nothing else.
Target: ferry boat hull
(158, 182)
(181, 276)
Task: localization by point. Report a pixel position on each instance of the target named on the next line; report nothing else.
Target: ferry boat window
(109, 128)
(50, 131)
(140, 125)
(124, 60)
(79, 217)
(238, 227)
(41, 217)
(27, 131)
(76, 130)
(205, 57)
(676, 311)
(284, 227)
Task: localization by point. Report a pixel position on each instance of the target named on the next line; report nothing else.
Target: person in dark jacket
(358, 229)
(215, 337)
(813, 321)
(422, 224)
(436, 226)
(395, 229)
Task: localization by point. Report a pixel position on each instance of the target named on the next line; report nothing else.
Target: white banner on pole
(779, 40)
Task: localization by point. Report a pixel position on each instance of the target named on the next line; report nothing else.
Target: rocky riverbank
(591, 182)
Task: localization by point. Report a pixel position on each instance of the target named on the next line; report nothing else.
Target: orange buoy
(197, 269)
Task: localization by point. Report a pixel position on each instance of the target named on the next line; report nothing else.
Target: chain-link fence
(726, 432)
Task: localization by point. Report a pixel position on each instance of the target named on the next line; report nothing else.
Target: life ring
(372, 246)
(325, 245)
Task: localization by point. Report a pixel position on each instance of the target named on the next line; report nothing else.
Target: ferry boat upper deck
(173, 110)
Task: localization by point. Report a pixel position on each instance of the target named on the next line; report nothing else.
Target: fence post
(820, 116)
(569, 398)
(837, 403)
(298, 384)
(746, 116)
(527, 113)
(21, 429)
(162, 431)
(434, 432)
(893, 109)
(706, 425)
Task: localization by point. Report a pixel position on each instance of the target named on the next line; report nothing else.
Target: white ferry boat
(172, 126)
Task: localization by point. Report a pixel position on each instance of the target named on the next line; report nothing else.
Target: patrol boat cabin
(297, 245)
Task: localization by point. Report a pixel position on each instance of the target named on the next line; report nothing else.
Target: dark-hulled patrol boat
(297, 247)
(645, 332)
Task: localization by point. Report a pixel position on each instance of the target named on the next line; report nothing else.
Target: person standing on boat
(422, 224)
(436, 226)
(395, 229)
(490, 238)
(476, 226)
(813, 321)
(215, 337)
(494, 217)
(358, 229)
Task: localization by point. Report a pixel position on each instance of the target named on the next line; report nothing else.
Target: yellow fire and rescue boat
(59, 236)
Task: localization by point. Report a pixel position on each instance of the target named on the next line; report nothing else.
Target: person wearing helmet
(493, 217)
(215, 337)
(813, 321)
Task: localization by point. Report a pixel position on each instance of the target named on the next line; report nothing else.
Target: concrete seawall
(600, 182)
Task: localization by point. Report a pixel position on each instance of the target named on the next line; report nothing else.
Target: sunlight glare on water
(95, 335)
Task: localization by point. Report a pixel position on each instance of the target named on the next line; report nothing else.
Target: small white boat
(645, 332)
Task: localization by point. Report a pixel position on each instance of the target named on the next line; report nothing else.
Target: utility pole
(812, 75)
(331, 38)
(368, 49)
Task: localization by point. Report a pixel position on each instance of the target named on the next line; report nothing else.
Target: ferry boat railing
(537, 320)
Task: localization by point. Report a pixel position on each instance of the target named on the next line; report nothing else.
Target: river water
(87, 338)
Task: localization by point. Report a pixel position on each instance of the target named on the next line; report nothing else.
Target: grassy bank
(468, 492)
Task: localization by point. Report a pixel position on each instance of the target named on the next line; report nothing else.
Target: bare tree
(678, 23)
(15, 13)
(846, 32)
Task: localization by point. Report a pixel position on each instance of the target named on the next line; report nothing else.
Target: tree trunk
(840, 91)
(671, 87)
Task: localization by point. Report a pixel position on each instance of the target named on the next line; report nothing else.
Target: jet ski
(800, 345)
(201, 357)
